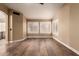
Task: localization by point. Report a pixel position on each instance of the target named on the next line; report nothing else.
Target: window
(39, 27)
(2, 27)
(33, 27)
(55, 27)
(45, 27)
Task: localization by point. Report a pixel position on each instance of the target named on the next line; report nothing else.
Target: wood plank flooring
(38, 47)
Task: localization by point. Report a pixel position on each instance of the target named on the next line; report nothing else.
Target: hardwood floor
(38, 47)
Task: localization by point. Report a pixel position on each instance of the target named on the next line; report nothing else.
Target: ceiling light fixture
(42, 3)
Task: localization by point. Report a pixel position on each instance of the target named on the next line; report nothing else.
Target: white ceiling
(35, 10)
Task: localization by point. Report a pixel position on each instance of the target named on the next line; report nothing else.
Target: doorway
(3, 31)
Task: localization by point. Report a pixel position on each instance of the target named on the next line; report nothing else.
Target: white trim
(74, 50)
(39, 36)
(18, 40)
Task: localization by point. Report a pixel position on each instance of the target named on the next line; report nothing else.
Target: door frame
(6, 25)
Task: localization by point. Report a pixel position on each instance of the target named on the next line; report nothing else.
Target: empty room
(39, 29)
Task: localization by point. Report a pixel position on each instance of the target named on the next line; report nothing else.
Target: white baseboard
(17, 40)
(39, 36)
(69, 47)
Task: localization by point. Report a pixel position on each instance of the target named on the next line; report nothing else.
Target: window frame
(39, 27)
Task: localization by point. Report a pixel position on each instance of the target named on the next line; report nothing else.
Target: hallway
(32, 27)
(38, 47)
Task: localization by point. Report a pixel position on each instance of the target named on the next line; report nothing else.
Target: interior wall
(68, 25)
(63, 16)
(17, 24)
(74, 26)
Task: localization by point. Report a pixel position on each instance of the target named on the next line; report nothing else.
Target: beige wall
(17, 27)
(74, 26)
(68, 26)
(16, 24)
(63, 24)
